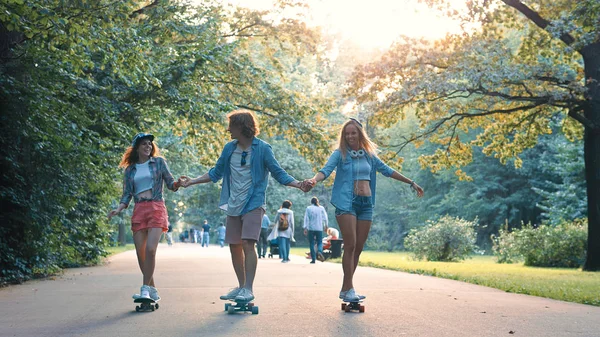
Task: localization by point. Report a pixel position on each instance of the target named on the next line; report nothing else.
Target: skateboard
(243, 306)
(146, 304)
(349, 306)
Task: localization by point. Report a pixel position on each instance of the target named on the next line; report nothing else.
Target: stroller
(274, 248)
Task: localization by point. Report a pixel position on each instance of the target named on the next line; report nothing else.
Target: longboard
(146, 304)
(356, 306)
(243, 306)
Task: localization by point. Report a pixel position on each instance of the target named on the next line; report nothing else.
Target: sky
(371, 23)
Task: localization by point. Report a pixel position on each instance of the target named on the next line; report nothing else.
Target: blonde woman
(353, 196)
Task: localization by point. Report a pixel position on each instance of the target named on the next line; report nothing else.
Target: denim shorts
(362, 208)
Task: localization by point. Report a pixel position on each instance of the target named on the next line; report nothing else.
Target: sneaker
(351, 296)
(231, 294)
(145, 291)
(312, 262)
(154, 294)
(320, 256)
(343, 294)
(244, 295)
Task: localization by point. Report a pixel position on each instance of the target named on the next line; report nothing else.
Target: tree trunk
(591, 59)
(122, 239)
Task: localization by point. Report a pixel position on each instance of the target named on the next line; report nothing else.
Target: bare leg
(347, 224)
(149, 264)
(250, 262)
(139, 239)
(237, 259)
(362, 233)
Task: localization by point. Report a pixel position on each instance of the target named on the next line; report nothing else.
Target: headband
(357, 122)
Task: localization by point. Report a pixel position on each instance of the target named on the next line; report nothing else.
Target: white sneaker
(231, 294)
(145, 291)
(244, 295)
(351, 296)
(343, 294)
(154, 293)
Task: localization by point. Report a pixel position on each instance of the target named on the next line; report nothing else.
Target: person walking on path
(170, 235)
(244, 166)
(145, 173)
(205, 233)
(284, 230)
(221, 235)
(315, 219)
(353, 195)
(261, 246)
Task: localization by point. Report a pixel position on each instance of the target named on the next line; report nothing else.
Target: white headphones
(357, 154)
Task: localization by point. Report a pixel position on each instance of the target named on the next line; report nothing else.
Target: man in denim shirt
(244, 166)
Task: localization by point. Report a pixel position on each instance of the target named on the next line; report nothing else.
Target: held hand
(306, 232)
(306, 186)
(184, 181)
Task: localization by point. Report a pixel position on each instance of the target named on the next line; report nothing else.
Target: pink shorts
(149, 214)
(244, 227)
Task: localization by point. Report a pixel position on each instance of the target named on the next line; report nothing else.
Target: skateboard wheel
(227, 305)
(361, 308)
(137, 308)
(250, 305)
(343, 306)
(152, 307)
(254, 310)
(156, 306)
(230, 310)
(347, 308)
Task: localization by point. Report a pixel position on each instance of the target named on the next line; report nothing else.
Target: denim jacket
(262, 160)
(159, 171)
(341, 196)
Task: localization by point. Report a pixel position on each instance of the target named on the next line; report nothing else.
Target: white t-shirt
(142, 181)
(241, 181)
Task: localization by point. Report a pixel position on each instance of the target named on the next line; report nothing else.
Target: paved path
(295, 299)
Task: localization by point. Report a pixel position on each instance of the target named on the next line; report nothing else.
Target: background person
(315, 219)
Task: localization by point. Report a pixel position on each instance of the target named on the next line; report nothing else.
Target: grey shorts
(244, 227)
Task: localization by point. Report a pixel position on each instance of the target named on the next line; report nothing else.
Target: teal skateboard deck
(146, 304)
(243, 306)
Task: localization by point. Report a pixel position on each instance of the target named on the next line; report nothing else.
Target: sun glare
(371, 23)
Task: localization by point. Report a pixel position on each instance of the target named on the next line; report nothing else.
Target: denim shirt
(159, 171)
(262, 162)
(341, 196)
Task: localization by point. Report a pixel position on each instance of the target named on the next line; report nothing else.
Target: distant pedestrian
(261, 246)
(315, 220)
(205, 233)
(170, 235)
(221, 235)
(145, 174)
(283, 230)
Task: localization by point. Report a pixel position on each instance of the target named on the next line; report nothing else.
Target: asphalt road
(294, 299)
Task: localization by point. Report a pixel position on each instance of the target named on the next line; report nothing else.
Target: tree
(508, 76)
(78, 81)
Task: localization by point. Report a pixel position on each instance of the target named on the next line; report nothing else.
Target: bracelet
(412, 183)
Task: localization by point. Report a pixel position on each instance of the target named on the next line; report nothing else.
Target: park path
(294, 299)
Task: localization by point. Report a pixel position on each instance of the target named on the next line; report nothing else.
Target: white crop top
(142, 181)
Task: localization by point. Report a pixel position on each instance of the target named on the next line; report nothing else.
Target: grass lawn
(119, 249)
(571, 285)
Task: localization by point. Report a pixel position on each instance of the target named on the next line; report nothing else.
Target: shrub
(563, 245)
(447, 239)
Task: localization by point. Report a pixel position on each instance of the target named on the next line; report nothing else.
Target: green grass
(571, 285)
(119, 249)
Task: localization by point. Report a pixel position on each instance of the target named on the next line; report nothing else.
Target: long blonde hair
(363, 139)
